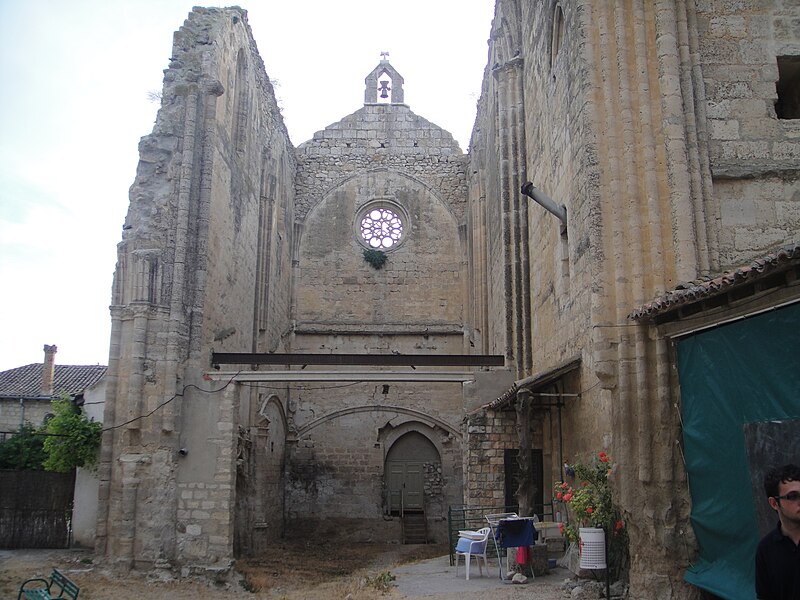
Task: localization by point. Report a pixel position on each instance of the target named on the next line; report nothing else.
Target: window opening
(240, 104)
(384, 89)
(557, 35)
(788, 87)
(381, 228)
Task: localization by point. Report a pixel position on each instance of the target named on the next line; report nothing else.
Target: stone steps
(415, 528)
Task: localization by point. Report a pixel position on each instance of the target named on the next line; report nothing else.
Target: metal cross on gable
(384, 55)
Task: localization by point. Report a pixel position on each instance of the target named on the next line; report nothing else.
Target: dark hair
(775, 476)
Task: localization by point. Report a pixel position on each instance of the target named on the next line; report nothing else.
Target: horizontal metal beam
(305, 376)
(373, 360)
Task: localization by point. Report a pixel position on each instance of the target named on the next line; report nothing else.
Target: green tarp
(731, 376)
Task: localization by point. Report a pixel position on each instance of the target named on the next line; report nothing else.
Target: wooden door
(405, 481)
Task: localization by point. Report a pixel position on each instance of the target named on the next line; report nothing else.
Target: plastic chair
(473, 545)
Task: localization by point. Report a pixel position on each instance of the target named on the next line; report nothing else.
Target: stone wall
(488, 435)
(260, 480)
(753, 156)
(387, 136)
(14, 413)
(337, 455)
(212, 195)
(653, 125)
(340, 433)
(422, 281)
(534, 100)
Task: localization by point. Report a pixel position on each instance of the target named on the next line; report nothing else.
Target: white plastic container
(593, 548)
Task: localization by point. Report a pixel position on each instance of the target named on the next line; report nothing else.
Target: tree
(72, 439)
(24, 450)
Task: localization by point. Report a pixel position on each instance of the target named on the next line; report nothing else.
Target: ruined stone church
(326, 337)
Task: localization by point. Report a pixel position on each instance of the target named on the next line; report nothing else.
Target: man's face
(788, 510)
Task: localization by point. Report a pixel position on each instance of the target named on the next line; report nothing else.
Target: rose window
(381, 228)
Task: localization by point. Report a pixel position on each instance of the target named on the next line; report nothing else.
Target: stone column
(511, 143)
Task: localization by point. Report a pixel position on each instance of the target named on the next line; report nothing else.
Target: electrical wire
(163, 404)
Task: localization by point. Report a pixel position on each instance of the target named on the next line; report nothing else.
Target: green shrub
(24, 450)
(72, 441)
(376, 258)
(381, 582)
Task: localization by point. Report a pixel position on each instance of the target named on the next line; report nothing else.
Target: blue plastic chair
(473, 545)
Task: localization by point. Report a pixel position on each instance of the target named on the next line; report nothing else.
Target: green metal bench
(66, 588)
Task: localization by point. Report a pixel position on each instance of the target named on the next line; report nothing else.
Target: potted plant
(592, 515)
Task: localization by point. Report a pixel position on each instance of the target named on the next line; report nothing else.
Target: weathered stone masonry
(212, 177)
(383, 154)
(235, 241)
(653, 123)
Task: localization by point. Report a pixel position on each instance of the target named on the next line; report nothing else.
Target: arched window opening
(384, 88)
(557, 34)
(240, 104)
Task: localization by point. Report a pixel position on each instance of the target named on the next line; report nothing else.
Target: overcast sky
(76, 79)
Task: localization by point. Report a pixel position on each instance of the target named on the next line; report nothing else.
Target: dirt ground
(287, 572)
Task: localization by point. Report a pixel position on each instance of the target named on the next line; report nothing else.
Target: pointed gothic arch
(411, 459)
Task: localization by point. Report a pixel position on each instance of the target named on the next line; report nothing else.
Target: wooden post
(525, 491)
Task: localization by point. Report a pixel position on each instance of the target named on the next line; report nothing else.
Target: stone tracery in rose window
(381, 228)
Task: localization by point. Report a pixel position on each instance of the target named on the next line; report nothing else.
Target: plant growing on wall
(589, 503)
(72, 439)
(376, 258)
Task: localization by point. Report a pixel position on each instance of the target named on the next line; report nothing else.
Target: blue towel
(513, 533)
(463, 545)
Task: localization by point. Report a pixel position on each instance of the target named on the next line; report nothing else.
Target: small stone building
(26, 396)
(26, 392)
(660, 141)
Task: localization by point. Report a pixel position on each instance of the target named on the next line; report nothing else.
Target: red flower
(584, 483)
(619, 524)
(590, 510)
(568, 497)
(602, 455)
(564, 485)
(561, 528)
(604, 458)
(559, 495)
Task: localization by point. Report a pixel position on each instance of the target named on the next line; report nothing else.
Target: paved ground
(285, 578)
(435, 578)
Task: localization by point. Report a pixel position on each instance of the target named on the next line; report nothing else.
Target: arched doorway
(405, 471)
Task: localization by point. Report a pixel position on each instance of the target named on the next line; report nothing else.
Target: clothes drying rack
(509, 530)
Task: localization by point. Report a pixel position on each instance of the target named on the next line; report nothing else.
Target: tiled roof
(701, 289)
(533, 382)
(26, 382)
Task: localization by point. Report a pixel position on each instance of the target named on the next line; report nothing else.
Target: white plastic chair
(473, 544)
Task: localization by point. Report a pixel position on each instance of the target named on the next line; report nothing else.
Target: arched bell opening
(384, 88)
